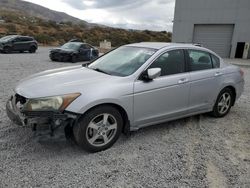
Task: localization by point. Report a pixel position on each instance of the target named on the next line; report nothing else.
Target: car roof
(77, 43)
(21, 36)
(11, 36)
(159, 45)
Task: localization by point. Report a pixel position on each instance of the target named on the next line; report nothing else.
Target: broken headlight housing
(50, 103)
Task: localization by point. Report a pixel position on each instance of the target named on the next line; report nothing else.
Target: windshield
(7, 38)
(71, 45)
(123, 61)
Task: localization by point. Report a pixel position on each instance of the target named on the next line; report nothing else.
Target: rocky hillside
(38, 11)
(55, 28)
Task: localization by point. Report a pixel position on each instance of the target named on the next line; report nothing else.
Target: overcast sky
(129, 14)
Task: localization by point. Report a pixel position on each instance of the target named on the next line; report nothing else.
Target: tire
(7, 49)
(93, 134)
(73, 59)
(32, 49)
(223, 103)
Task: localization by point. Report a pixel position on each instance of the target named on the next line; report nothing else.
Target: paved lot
(198, 151)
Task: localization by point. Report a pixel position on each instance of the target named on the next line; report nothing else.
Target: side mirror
(151, 74)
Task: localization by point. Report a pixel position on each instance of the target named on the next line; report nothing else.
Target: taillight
(241, 73)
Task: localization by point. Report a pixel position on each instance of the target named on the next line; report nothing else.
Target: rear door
(164, 97)
(26, 42)
(205, 80)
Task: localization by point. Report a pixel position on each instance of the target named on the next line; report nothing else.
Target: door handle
(218, 74)
(182, 81)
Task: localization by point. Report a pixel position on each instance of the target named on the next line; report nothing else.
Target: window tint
(216, 61)
(16, 39)
(199, 60)
(86, 46)
(172, 62)
(23, 39)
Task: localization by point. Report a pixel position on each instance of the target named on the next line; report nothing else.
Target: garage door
(217, 38)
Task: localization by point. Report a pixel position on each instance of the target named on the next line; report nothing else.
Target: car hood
(62, 50)
(60, 81)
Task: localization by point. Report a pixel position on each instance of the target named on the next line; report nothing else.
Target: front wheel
(223, 103)
(98, 129)
(7, 49)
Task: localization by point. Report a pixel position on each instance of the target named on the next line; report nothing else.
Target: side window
(172, 62)
(82, 47)
(199, 60)
(28, 39)
(216, 61)
(16, 39)
(23, 39)
(88, 46)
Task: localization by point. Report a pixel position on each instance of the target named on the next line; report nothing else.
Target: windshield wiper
(99, 70)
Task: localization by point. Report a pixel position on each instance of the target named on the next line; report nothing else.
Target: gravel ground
(199, 151)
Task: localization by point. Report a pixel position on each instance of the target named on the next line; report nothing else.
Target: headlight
(51, 103)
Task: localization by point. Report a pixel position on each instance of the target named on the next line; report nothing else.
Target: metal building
(220, 25)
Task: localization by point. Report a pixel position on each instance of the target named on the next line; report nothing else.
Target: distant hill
(39, 11)
(55, 28)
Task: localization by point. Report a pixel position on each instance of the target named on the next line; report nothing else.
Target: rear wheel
(223, 103)
(98, 129)
(32, 49)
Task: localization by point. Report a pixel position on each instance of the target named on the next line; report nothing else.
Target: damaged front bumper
(42, 121)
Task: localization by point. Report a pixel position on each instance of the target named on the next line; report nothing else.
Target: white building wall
(191, 12)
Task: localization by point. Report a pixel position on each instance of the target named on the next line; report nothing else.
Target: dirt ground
(199, 151)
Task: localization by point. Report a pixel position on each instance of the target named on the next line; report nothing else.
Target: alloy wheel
(101, 130)
(224, 103)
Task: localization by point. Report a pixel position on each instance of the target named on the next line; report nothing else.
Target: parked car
(129, 88)
(17, 43)
(74, 52)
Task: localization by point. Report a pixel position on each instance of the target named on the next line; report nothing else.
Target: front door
(84, 52)
(17, 44)
(165, 97)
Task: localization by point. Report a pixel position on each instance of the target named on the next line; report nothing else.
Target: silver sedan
(129, 88)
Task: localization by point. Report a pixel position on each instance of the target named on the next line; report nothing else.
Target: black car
(73, 52)
(17, 43)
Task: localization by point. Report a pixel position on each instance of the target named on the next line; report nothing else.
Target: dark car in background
(74, 52)
(18, 43)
